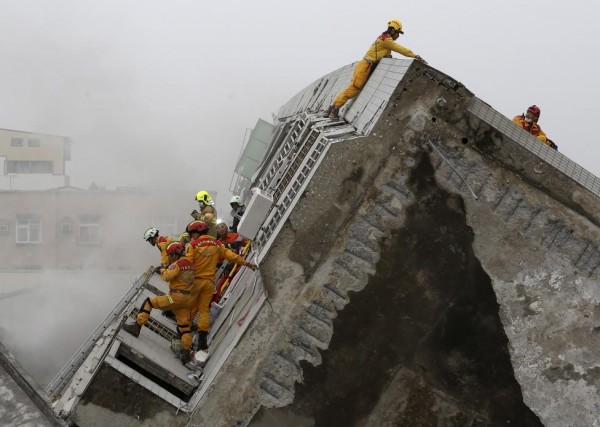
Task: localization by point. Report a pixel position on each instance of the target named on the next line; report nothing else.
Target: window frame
(93, 230)
(27, 224)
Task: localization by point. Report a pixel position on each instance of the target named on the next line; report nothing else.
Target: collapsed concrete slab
(427, 263)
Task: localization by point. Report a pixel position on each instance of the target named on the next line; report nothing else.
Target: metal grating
(156, 327)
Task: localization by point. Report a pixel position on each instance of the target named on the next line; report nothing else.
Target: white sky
(164, 90)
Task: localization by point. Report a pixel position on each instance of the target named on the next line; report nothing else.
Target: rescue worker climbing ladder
(182, 294)
(152, 236)
(205, 252)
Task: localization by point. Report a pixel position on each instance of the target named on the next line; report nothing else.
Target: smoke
(46, 316)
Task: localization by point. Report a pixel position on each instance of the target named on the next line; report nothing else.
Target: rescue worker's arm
(542, 137)
(232, 256)
(168, 274)
(162, 245)
(189, 252)
(392, 45)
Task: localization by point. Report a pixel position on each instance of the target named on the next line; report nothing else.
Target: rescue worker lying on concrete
(528, 121)
(382, 47)
(182, 294)
(152, 236)
(237, 211)
(208, 213)
(205, 252)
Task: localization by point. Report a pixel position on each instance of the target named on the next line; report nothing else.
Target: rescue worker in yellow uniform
(528, 121)
(206, 252)
(152, 236)
(382, 47)
(208, 213)
(182, 294)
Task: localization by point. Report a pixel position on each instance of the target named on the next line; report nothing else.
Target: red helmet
(196, 226)
(175, 248)
(534, 110)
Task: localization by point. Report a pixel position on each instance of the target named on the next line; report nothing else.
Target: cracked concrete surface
(397, 298)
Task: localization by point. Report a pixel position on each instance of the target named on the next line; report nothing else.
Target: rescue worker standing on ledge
(206, 252)
(182, 295)
(382, 47)
(152, 236)
(208, 213)
(528, 121)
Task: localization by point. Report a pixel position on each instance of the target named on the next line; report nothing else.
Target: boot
(133, 329)
(328, 112)
(202, 344)
(185, 356)
(335, 113)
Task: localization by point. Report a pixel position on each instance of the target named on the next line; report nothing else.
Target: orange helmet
(196, 226)
(175, 248)
(534, 111)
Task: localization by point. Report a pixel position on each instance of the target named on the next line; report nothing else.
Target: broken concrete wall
(428, 276)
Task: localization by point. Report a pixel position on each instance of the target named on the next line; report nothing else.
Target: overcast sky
(154, 90)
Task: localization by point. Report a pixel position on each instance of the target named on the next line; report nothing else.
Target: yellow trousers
(362, 71)
(206, 288)
(180, 305)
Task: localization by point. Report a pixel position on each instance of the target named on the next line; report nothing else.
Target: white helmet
(236, 199)
(150, 233)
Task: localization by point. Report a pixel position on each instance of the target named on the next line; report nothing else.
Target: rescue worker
(208, 213)
(205, 252)
(227, 270)
(152, 236)
(182, 294)
(528, 121)
(232, 241)
(237, 210)
(382, 47)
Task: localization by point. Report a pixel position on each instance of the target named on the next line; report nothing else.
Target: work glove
(252, 266)
(157, 269)
(418, 58)
(388, 56)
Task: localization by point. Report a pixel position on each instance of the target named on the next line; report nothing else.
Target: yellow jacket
(162, 244)
(180, 274)
(383, 46)
(205, 252)
(209, 216)
(533, 128)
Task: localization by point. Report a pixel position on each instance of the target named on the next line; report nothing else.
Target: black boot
(133, 329)
(202, 344)
(185, 356)
(334, 114)
(327, 112)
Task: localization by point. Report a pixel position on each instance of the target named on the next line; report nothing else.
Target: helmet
(150, 233)
(175, 248)
(204, 197)
(534, 110)
(196, 226)
(396, 25)
(236, 199)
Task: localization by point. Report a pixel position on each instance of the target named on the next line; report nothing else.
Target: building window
(29, 166)
(167, 225)
(16, 142)
(29, 229)
(89, 230)
(33, 142)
